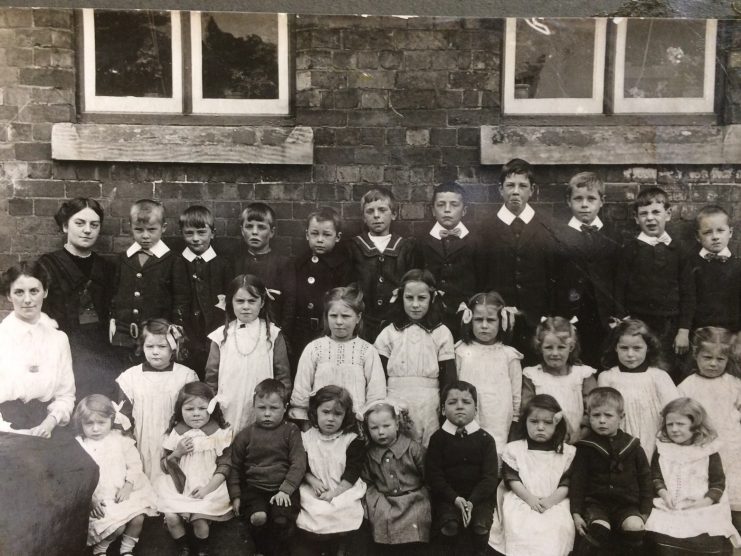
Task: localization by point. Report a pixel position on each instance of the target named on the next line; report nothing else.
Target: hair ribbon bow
(119, 418)
(222, 302)
(271, 293)
(394, 295)
(557, 417)
(212, 404)
(174, 334)
(614, 321)
(508, 317)
(467, 313)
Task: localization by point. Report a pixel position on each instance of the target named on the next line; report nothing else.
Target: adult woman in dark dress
(79, 297)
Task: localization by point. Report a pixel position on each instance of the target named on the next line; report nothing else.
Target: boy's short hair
(517, 166)
(258, 211)
(588, 180)
(144, 210)
(271, 386)
(604, 395)
(449, 187)
(378, 194)
(196, 216)
(710, 210)
(326, 214)
(649, 196)
(461, 386)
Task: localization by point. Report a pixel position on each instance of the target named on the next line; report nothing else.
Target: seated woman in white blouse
(37, 386)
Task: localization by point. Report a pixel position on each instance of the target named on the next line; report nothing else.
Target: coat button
(380, 258)
(380, 279)
(311, 279)
(314, 259)
(135, 311)
(310, 306)
(137, 294)
(379, 302)
(138, 274)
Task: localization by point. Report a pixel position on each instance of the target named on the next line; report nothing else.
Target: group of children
(390, 333)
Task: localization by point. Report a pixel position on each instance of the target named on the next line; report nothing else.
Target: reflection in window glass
(133, 55)
(554, 58)
(664, 59)
(240, 55)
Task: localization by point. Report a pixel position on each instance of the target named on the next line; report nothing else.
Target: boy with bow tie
(716, 273)
(654, 277)
(588, 251)
(451, 252)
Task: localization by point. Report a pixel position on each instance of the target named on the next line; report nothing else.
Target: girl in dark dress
(79, 297)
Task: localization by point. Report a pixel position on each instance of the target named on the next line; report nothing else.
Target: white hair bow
(271, 293)
(508, 317)
(174, 333)
(212, 404)
(119, 418)
(394, 295)
(222, 302)
(467, 313)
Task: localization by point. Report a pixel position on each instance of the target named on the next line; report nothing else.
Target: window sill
(188, 144)
(627, 144)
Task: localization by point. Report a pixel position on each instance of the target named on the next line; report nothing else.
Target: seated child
(123, 495)
(691, 514)
(610, 478)
(257, 257)
(208, 276)
(268, 465)
(461, 470)
(533, 518)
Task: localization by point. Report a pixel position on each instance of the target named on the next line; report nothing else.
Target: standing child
(379, 257)
(610, 477)
(149, 390)
(417, 350)
(397, 499)
(268, 464)
(586, 277)
(257, 257)
(325, 265)
(145, 286)
(461, 470)
(196, 462)
(560, 374)
(492, 367)
(208, 276)
(332, 491)
(533, 518)
(691, 513)
(339, 357)
(631, 357)
(123, 495)
(451, 252)
(716, 273)
(716, 386)
(246, 350)
(522, 254)
(653, 282)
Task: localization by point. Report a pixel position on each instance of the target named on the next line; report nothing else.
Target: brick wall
(393, 102)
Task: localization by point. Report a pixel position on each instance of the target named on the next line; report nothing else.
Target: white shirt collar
(725, 252)
(435, 231)
(207, 255)
(577, 224)
(507, 216)
(471, 427)
(158, 250)
(664, 238)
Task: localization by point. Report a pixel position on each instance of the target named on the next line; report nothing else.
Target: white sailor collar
(450, 428)
(158, 250)
(207, 255)
(507, 216)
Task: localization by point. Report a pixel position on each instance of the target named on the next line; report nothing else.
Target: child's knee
(200, 528)
(450, 529)
(173, 520)
(258, 519)
(137, 521)
(632, 523)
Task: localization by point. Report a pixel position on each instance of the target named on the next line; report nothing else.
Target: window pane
(664, 58)
(133, 54)
(240, 55)
(554, 58)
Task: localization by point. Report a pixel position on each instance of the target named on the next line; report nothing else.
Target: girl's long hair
(633, 327)
(714, 335)
(485, 299)
(547, 403)
(564, 330)
(433, 318)
(162, 327)
(702, 430)
(352, 296)
(255, 287)
(404, 422)
(337, 394)
(192, 390)
(94, 403)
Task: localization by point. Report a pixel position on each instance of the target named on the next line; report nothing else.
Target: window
(557, 66)
(138, 62)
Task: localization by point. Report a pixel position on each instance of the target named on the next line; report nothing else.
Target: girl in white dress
(339, 357)
(332, 491)
(245, 351)
(631, 357)
(123, 495)
(533, 517)
(691, 514)
(196, 462)
(560, 373)
(492, 367)
(148, 391)
(715, 384)
(418, 351)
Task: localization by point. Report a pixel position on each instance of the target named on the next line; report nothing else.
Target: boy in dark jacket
(611, 486)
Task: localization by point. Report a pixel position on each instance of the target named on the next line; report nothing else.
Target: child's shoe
(202, 546)
(183, 546)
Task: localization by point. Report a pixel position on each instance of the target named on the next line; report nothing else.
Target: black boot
(202, 546)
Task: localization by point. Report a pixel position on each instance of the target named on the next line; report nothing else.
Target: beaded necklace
(236, 339)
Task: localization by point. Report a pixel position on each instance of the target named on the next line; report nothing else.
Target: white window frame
(704, 104)
(593, 105)
(101, 103)
(202, 105)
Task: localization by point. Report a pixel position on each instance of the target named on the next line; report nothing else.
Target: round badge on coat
(314, 259)
(311, 279)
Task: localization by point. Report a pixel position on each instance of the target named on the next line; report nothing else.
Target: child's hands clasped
(98, 508)
(465, 507)
(666, 497)
(281, 499)
(316, 485)
(537, 504)
(124, 492)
